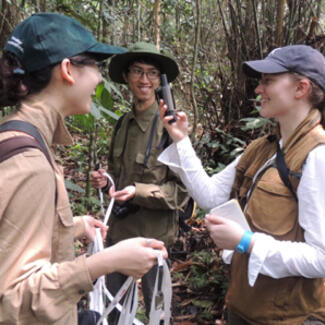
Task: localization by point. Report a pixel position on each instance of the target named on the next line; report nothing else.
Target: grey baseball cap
(302, 59)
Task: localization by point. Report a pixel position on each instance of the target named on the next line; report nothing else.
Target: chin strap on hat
(161, 299)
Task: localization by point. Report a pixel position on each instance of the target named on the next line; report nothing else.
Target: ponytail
(316, 95)
(317, 99)
(12, 89)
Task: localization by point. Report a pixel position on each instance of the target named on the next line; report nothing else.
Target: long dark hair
(16, 83)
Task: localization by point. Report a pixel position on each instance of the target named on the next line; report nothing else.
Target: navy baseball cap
(301, 59)
(44, 39)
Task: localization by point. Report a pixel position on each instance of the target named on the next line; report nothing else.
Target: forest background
(209, 39)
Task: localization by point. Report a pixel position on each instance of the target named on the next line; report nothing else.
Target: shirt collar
(144, 120)
(48, 120)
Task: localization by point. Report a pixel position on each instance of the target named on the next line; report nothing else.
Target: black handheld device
(165, 92)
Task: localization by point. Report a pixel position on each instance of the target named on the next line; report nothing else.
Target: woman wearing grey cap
(277, 267)
(49, 68)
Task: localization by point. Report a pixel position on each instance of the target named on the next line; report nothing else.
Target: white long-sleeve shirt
(269, 256)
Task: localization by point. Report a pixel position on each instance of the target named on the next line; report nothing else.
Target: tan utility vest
(272, 209)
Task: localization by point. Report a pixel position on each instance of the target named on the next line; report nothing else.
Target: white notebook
(231, 210)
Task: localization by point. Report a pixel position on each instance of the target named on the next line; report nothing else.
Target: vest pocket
(272, 208)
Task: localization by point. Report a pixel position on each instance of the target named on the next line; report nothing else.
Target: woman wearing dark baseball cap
(278, 262)
(49, 69)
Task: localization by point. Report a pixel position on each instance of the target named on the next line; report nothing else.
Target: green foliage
(80, 206)
(253, 123)
(205, 278)
(178, 276)
(202, 275)
(218, 151)
(258, 124)
(73, 187)
(97, 125)
(78, 245)
(141, 313)
(229, 35)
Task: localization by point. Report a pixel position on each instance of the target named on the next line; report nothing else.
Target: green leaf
(110, 113)
(202, 303)
(73, 186)
(106, 99)
(111, 87)
(99, 90)
(95, 111)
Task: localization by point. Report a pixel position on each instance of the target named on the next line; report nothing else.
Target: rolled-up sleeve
(170, 195)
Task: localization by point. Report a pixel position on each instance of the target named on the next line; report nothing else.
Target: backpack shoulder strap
(118, 124)
(149, 145)
(115, 130)
(284, 171)
(15, 145)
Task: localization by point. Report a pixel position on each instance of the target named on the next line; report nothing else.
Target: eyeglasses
(152, 75)
(87, 61)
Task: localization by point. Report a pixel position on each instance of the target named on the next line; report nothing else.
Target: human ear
(125, 77)
(65, 68)
(303, 87)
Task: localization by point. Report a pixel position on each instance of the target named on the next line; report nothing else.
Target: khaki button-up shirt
(159, 192)
(41, 281)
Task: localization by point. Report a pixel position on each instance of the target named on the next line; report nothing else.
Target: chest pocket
(153, 172)
(271, 207)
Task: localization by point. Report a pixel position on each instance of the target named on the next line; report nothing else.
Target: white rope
(97, 296)
(111, 203)
(162, 294)
(101, 198)
(96, 301)
(161, 299)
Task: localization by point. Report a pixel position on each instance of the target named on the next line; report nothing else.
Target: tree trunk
(139, 21)
(43, 5)
(196, 47)
(9, 18)
(257, 30)
(279, 22)
(157, 23)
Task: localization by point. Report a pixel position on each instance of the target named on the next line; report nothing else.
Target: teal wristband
(245, 241)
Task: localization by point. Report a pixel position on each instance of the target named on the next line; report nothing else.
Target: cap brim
(256, 68)
(119, 64)
(103, 51)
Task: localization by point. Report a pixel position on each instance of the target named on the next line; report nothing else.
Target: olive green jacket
(159, 192)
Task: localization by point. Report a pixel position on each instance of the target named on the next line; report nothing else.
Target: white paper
(231, 210)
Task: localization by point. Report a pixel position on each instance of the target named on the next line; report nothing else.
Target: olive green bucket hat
(120, 62)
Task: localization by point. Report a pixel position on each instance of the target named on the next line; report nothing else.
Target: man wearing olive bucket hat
(147, 193)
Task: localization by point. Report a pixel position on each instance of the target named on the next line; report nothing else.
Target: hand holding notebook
(232, 211)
